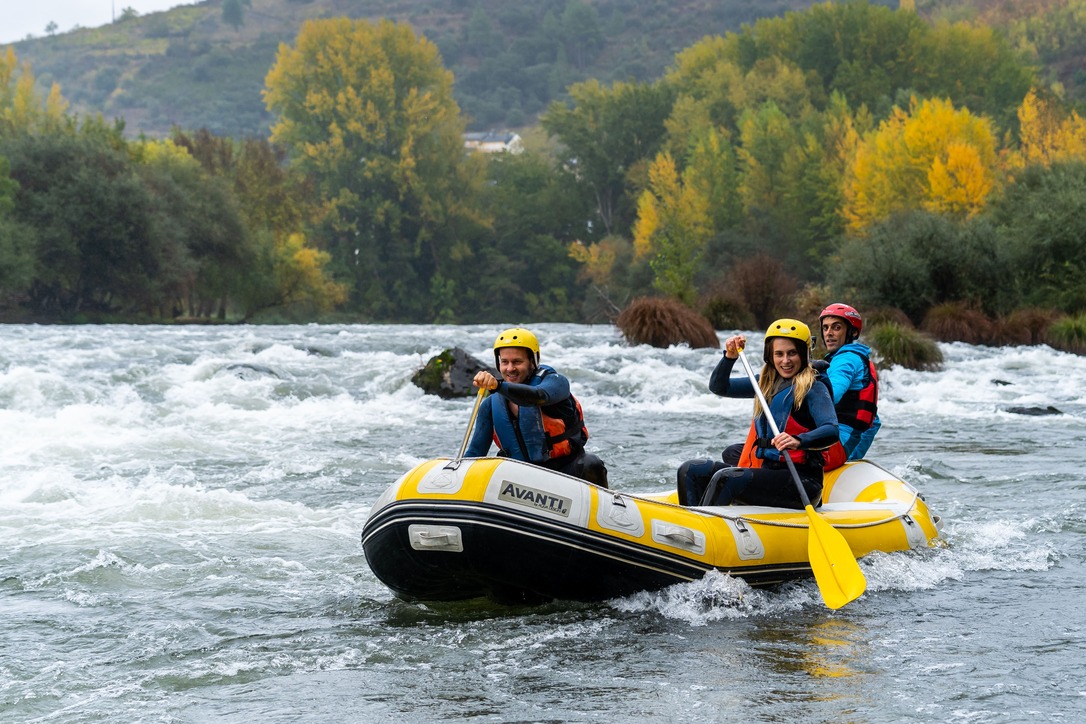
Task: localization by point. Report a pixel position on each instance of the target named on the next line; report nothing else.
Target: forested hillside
(203, 66)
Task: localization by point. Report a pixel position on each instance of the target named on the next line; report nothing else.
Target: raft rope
(774, 523)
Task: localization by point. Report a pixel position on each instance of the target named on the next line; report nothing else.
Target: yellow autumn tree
(933, 157)
(598, 259)
(767, 137)
(150, 151)
(711, 167)
(21, 108)
(300, 274)
(672, 229)
(367, 113)
(1049, 133)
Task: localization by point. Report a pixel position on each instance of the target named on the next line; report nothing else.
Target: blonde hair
(770, 382)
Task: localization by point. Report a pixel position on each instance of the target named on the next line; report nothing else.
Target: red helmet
(845, 312)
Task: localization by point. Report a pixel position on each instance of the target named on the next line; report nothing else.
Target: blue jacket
(524, 437)
(847, 372)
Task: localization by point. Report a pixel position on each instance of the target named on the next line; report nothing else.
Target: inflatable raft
(514, 532)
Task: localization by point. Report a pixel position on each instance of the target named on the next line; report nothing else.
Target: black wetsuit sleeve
(554, 388)
(722, 383)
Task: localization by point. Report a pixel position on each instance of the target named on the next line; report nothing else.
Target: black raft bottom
(514, 560)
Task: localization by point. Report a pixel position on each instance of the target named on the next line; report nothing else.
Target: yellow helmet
(793, 329)
(517, 337)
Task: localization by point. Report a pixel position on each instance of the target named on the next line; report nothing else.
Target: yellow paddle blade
(835, 569)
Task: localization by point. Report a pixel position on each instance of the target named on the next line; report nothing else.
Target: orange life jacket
(560, 435)
(832, 457)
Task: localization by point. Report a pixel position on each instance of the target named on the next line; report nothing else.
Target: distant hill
(190, 67)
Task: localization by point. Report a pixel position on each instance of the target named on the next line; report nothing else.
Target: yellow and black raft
(515, 532)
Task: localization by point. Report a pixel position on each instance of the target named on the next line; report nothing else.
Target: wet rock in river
(449, 374)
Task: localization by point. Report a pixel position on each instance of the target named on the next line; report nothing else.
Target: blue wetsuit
(771, 484)
(522, 436)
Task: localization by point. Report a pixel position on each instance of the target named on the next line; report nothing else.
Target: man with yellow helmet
(533, 417)
(803, 410)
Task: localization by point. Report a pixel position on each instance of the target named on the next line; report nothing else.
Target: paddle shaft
(776, 431)
(833, 563)
(471, 423)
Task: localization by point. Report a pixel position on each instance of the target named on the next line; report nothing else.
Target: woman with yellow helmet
(533, 417)
(803, 410)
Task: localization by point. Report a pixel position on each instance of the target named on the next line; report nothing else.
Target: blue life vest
(541, 433)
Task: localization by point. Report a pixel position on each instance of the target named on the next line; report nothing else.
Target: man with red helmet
(851, 377)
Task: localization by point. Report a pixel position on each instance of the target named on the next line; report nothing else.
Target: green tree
(807, 177)
(17, 242)
(1041, 222)
(529, 274)
(673, 228)
(973, 66)
(917, 259)
(712, 167)
(205, 249)
(366, 111)
(283, 268)
(233, 12)
(767, 136)
(714, 86)
(870, 54)
(608, 133)
(91, 214)
(581, 32)
(480, 38)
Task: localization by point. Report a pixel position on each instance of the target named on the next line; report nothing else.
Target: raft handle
(435, 538)
(678, 536)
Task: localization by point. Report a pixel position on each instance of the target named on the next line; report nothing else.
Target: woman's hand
(784, 441)
(733, 345)
(485, 380)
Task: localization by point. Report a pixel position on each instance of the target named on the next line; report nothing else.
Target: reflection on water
(834, 644)
(822, 649)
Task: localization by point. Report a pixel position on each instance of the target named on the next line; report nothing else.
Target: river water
(180, 510)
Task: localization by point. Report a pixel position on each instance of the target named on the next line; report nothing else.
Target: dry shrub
(958, 322)
(662, 322)
(764, 286)
(1024, 326)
